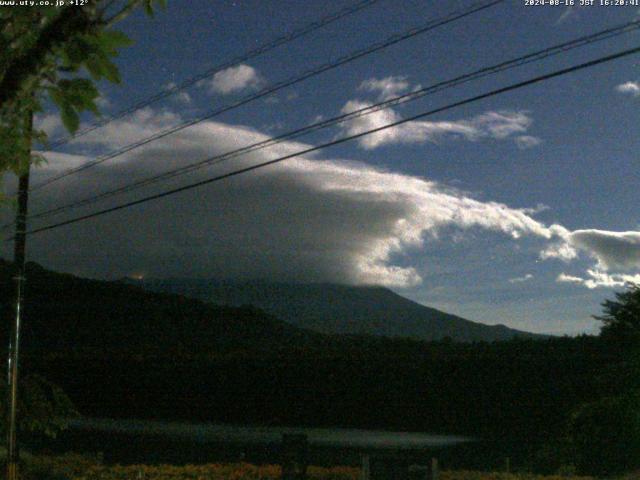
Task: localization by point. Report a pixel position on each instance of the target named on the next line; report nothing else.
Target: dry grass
(76, 467)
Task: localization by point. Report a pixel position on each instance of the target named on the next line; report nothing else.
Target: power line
(306, 29)
(414, 95)
(240, 171)
(394, 39)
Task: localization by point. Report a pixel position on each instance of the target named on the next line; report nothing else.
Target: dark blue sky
(520, 209)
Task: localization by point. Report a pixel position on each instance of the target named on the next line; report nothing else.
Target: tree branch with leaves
(59, 54)
(621, 317)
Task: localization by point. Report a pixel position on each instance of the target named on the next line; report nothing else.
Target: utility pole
(19, 254)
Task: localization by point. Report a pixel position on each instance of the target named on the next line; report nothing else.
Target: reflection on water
(325, 437)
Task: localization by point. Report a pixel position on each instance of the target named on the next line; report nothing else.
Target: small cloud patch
(527, 141)
(629, 88)
(522, 279)
(234, 79)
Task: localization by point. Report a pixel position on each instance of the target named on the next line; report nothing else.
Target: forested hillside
(340, 309)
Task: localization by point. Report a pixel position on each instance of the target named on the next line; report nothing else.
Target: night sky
(521, 209)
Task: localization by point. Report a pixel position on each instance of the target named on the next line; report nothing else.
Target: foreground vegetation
(75, 467)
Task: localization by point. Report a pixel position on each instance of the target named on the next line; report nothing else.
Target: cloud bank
(612, 251)
(499, 125)
(597, 278)
(306, 219)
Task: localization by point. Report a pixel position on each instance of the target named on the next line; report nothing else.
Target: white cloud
(304, 219)
(563, 277)
(524, 278)
(527, 141)
(388, 87)
(181, 96)
(560, 250)
(599, 278)
(632, 88)
(234, 79)
(58, 161)
(611, 250)
(498, 125)
(103, 102)
(184, 97)
(568, 12)
(618, 251)
(141, 124)
(540, 207)
(50, 123)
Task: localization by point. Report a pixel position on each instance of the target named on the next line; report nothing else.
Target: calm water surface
(323, 437)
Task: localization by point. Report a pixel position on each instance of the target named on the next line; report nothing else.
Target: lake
(146, 441)
(324, 437)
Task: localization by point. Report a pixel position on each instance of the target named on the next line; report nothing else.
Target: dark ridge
(340, 309)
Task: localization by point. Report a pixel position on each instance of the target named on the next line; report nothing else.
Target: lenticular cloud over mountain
(305, 219)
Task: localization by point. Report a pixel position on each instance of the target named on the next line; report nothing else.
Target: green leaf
(70, 118)
(114, 40)
(94, 67)
(148, 7)
(56, 96)
(79, 51)
(92, 107)
(38, 159)
(81, 88)
(110, 71)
